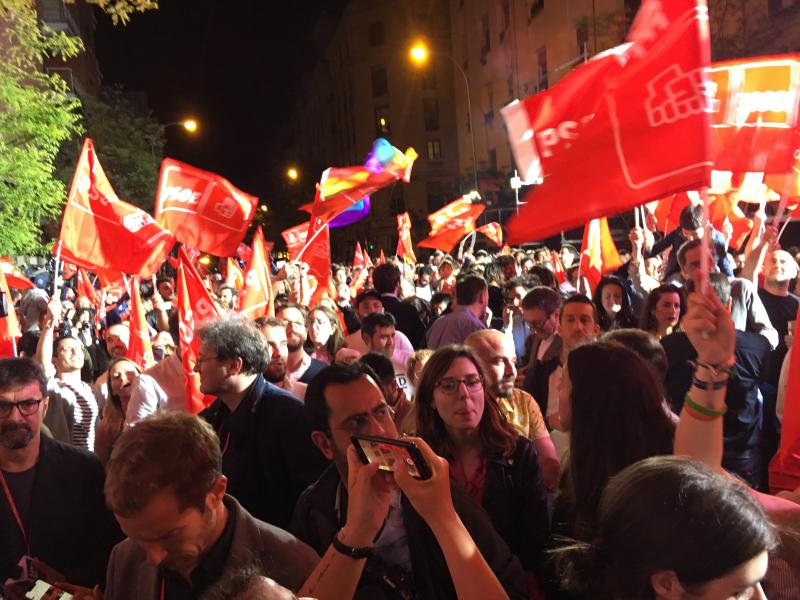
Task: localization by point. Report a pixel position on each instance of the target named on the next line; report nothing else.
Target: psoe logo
(136, 221)
(226, 208)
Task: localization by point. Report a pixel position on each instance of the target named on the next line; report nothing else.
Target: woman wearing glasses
(487, 457)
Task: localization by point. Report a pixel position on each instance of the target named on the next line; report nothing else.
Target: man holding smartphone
(404, 559)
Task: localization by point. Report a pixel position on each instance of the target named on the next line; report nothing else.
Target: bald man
(496, 355)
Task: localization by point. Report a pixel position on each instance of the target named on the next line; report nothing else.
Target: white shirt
(162, 386)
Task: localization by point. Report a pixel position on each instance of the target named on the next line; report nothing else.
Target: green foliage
(129, 144)
(37, 114)
(121, 10)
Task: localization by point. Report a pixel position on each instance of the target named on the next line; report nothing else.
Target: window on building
(397, 202)
(434, 150)
(433, 191)
(375, 34)
(505, 18)
(487, 102)
(429, 78)
(430, 110)
(380, 83)
(582, 39)
(541, 71)
(631, 8)
(382, 126)
(493, 159)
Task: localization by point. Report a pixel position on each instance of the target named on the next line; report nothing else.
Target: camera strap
(14, 511)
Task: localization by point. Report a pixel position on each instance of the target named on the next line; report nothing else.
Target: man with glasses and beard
(51, 494)
(276, 372)
(301, 366)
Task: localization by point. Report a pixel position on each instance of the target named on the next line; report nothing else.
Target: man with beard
(267, 453)
(274, 332)
(51, 493)
(117, 339)
(300, 365)
(495, 353)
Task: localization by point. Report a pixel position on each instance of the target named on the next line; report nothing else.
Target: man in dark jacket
(386, 279)
(267, 454)
(742, 421)
(404, 561)
(51, 497)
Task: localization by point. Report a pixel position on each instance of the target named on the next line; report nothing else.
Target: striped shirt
(79, 395)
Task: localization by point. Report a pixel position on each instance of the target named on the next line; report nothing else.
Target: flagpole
(780, 233)
(56, 269)
(308, 241)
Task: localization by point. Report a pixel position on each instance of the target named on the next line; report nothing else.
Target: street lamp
(189, 125)
(419, 54)
(292, 173)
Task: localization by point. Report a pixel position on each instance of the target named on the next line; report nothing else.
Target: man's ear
(323, 442)
(217, 492)
(666, 585)
(236, 366)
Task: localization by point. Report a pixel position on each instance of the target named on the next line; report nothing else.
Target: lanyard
(227, 439)
(14, 511)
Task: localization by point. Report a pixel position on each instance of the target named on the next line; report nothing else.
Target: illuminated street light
(419, 53)
(292, 174)
(190, 125)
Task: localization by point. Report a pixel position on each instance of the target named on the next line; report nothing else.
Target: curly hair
(236, 337)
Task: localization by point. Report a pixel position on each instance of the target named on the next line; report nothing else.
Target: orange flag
(140, 350)
(86, 289)
(493, 231)
(194, 306)
(405, 249)
(235, 278)
(381, 258)
(784, 468)
(598, 252)
(257, 299)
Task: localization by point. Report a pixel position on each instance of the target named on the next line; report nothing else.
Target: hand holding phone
(389, 453)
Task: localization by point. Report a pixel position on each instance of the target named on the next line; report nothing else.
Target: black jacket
(515, 498)
(316, 520)
(69, 527)
(407, 319)
(268, 455)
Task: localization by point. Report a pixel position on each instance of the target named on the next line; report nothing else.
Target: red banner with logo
(493, 231)
(634, 125)
(140, 350)
(202, 209)
(405, 249)
(194, 306)
(295, 238)
(102, 233)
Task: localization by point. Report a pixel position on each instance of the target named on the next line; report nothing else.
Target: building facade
(365, 86)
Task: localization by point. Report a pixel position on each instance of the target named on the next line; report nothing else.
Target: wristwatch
(355, 553)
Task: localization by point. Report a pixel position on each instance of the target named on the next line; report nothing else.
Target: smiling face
(611, 298)
(68, 356)
(117, 339)
(458, 397)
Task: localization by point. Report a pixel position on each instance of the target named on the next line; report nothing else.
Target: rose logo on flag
(136, 221)
(226, 208)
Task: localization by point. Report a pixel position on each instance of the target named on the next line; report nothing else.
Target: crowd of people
(583, 441)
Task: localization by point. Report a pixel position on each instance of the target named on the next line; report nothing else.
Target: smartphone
(383, 450)
(45, 591)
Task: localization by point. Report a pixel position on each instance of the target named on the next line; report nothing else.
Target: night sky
(234, 65)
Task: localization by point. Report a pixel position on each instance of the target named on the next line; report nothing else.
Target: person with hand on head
(395, 551)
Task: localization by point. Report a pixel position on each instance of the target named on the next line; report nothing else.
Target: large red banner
(202, 209)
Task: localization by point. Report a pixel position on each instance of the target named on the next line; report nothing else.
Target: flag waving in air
(629, 126)
(194, 306)
(102, 233)
(202, 209)
(140, 350)
(451, 223)
(598, 252)
(405, 249)
(257, 299)
(493, 231)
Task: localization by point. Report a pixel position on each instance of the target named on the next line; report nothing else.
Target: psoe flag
(202, 209)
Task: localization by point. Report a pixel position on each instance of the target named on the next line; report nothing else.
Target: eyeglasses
(450, 386)
(295, 324)
(25, 407)
(383, 413)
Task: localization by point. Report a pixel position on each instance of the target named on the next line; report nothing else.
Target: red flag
(194, 306)
(317, 254)
(202, 209)
(359, 260)
(755, 115)
(381, 258)
(784, 468)
(634, 124)
(405, 249)
(295, 238)
(726, 207)
(558, 267)
(451, 223)
(14, 277)
(102, 233)
(505, 249)
(244, 252)
(86, 289)
(667, 211)
(140, 350)
(235, 275)
(493, 231)
(9, 326)
(598, 251)
(257, 299)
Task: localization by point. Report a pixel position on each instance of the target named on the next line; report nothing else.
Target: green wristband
(708, 412)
